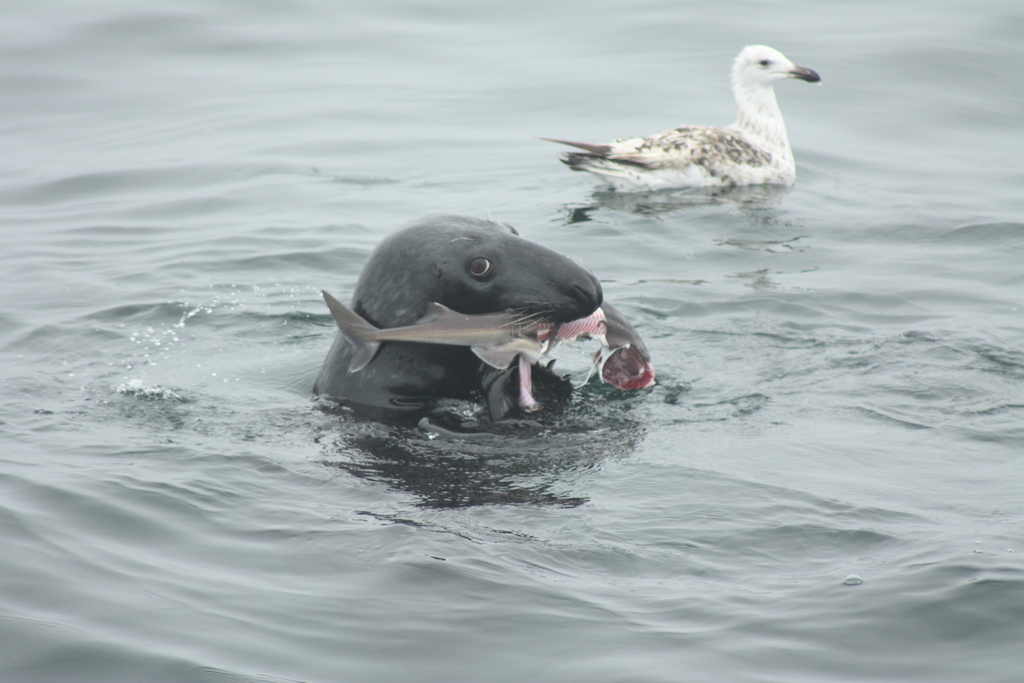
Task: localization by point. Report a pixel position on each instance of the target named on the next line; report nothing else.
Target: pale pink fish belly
(526, 400)
(624, 367)
(593, 324)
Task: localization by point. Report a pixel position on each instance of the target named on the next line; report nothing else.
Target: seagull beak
(804, 74)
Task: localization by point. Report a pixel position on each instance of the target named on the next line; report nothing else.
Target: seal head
(472, 266)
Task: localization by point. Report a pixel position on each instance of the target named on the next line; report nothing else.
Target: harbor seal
(470, 265)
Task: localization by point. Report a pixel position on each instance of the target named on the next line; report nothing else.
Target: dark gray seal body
(472, 266)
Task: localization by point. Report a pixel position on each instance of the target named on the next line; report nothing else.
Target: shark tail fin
(356, 330)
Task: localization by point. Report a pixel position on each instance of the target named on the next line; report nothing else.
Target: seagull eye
(480, 267)
(765, 62)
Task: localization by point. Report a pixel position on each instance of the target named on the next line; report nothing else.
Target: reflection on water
(452, 459)
(746, 198)
(774, 246)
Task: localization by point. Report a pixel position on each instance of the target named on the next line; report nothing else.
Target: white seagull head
(760, 66)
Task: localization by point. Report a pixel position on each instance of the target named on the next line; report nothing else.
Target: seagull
(752, 151)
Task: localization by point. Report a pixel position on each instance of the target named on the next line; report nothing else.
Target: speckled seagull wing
(713, 149)
(687, 155)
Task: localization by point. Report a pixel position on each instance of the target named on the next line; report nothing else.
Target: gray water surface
(825, 484)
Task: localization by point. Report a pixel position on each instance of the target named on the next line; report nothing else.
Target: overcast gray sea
(824, 485)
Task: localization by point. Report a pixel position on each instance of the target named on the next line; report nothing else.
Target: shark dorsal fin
(436, 311)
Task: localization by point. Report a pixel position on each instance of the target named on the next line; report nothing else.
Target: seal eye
(480, 267)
